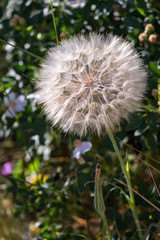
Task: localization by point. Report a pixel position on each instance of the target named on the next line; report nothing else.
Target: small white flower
(14, 104)
(35, 138)
(45, 151)
(91, 83)
(77, 3)
(81, 148)
(35, 97)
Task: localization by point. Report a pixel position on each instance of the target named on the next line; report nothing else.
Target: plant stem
(99, 201)
(158, 95)
(19, 48)
(54, 23)
(127, 176)
(105, 222)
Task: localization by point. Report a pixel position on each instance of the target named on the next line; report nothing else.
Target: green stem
(158, 95)
(105, 222)
(126, 173)
(29, 53)
(54, 23)
(99, 201)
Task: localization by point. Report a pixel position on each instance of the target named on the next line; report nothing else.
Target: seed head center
(89, 82)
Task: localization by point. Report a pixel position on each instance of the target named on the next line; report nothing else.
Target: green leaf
(141, 11)
(34, 166)
(141, 7)
(151, 120)
(78, 237)
(127, 166)
(154, 68)
(125, 195)
(151, 141)
(18, 169)
(135, 123)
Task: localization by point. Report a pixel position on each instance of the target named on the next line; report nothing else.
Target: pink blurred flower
(81, 148)
(7, 168)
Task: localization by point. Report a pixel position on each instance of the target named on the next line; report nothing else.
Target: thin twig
(154, 181)
(158, 209)
(149, 165)
(141, 153)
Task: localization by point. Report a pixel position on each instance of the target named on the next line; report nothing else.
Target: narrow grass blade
(29, 53)
(145, 199)
(99, 201)
(149, 229)
(158, 95)
(145, 155)
(54, 23)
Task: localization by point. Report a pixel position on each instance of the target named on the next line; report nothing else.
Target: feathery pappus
(91, 83)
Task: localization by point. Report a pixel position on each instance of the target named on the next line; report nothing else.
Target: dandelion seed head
(91, 83)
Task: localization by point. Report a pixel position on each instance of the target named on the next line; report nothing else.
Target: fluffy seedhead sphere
(91, 83)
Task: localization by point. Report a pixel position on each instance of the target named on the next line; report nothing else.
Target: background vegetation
(48, 193)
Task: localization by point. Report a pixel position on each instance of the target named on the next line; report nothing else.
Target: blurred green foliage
(51, 189)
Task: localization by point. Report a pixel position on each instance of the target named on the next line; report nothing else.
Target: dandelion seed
(91, 83)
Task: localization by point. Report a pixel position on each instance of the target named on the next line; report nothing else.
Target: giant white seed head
(91, 83)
